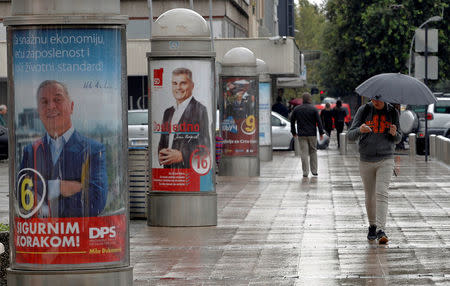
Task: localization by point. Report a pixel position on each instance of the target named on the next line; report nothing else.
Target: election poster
(69, 194)
(181, 125)
(239, 122)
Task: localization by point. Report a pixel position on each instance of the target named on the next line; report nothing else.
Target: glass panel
(182, 116)
(69, 199)
(138, 118)
(240, 109)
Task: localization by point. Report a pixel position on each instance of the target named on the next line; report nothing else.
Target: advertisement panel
(181, 122)
(265, 138)
(69, 197)
(239, 124)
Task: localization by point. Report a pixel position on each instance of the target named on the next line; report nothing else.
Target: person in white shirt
(73, 167)
(187, 122)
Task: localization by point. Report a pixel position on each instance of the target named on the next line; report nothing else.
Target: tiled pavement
(281, 229)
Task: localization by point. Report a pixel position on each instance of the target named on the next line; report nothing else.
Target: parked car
(282, 137)
(138, 127)
(3, 143)
(412, 120)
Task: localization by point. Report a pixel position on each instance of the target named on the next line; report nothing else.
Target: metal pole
(150, 16)
(426, 83)
(211, 25)
(191, 4)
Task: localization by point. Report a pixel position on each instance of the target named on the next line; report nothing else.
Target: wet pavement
(282, 229)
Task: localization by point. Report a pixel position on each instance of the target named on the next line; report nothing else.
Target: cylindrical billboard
(69, 197)
(182, 124)
(239, 124)
(265, 133)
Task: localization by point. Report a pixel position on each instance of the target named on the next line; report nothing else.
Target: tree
(364, 38)
(310, 24)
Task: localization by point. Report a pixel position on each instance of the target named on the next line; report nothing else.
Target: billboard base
(239, 166)
(108, 277)
(182, 209)
(265, 153)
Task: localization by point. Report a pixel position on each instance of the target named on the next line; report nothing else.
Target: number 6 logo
(26, 195)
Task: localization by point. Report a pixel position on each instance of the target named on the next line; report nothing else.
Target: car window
(276, 121)
(138, 118)
(419, 109)
(442, 107)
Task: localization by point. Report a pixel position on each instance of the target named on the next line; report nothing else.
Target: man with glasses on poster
(185, 125)
(72, 166)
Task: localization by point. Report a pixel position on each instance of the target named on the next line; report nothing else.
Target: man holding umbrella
(375, 125)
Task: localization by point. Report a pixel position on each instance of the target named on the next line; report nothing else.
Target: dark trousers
(339, 128)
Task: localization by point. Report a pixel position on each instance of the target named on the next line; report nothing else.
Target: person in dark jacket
(339, 114)
(280, 108)
(326, 116)
(306, 118)
(375, 125)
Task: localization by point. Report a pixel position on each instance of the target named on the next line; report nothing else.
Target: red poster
(70, 240)
(239, 122)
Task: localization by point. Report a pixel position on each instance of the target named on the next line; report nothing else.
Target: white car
(412, 120)
(137, 128)
(282, 138)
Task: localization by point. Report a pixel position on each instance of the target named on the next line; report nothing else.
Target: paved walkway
(281, 229)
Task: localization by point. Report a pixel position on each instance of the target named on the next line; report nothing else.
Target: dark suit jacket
(185, 139)
(78, 154)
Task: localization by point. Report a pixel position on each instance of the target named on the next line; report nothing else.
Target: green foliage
(4, 227)
(310, 24)
(364, 38)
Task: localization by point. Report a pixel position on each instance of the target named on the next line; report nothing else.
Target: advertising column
(265, 107)
(239, 114)
(68, 205)
(182, 116)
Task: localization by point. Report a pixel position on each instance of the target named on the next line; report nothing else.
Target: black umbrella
(396, 88)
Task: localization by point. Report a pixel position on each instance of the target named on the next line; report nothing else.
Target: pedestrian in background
(375, 125)
(3, 111)
(326, 115)
(339, 114)
(280, 108)
(307, 118)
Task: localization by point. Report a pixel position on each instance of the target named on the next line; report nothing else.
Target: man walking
(307, 118)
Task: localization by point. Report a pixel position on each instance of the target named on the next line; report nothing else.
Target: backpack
(390, 109)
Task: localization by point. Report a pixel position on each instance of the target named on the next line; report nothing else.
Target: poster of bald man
(69, 191)
(182, 125)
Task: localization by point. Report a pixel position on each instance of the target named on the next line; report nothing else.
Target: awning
(291, 82)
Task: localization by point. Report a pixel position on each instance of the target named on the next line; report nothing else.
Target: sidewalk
(281, 229)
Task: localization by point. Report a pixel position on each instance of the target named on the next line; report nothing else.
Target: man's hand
(364, 128)
(170, 156)
(69, 188)
(393, 130)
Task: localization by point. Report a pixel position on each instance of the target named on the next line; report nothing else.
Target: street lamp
(432, 19)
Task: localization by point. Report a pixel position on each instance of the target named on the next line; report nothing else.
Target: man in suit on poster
(186, 122)
(72, 165)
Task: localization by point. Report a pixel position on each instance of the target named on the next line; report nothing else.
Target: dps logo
(101, 232)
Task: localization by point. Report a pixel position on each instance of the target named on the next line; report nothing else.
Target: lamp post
(432, 19)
